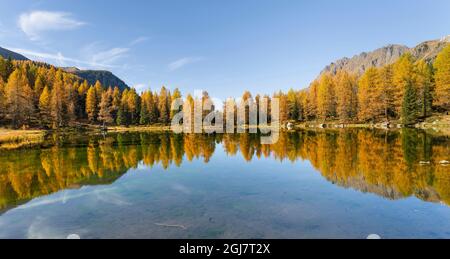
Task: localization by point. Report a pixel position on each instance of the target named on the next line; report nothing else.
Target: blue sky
(220, 46)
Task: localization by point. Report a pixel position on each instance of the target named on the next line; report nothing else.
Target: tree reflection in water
(393, 165)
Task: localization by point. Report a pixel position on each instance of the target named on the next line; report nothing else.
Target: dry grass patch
(13, 139)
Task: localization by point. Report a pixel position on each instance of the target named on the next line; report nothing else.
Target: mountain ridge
(358, 64)
(107, 78)
(6, 53)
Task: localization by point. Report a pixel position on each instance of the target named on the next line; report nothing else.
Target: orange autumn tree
(44, 107)
(346, 96)
(91, 105)
(326, 98)
(404, 74)
(442, 66)
(2, 99)
(386, 91)
(425, 87)
(18, 95)
(369, 95)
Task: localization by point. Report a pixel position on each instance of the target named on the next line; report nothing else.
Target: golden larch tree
(369, 95)
(293, 105)
(346, 96)
(311, 101)
(326, 98)
(386, 90)
(19, 98)
(425, 87)
(58, 102)
(105, 106)
(404, 75)
(44, 107)
(2, 98)
(116, 96)
(38, 88)
(91, 105)
(442, 66)
(133, 108)
(163, 106)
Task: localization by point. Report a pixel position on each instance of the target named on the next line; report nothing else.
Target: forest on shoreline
(38, 95)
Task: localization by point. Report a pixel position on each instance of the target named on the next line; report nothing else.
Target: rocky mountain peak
(358, 64)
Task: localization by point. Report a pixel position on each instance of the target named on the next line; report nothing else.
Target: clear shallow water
(331, 184)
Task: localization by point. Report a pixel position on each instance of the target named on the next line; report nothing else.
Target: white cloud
(59, 58)
(38, 229)
(140, 87)
(138, 40)
(36, 22)
(108, 57)
(103, 194)
(183, 62)
(99, 53)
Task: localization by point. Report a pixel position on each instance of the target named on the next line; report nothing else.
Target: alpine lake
(343, 183)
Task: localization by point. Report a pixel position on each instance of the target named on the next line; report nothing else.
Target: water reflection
(393, 165)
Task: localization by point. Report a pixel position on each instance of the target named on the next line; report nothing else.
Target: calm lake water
(311, 184)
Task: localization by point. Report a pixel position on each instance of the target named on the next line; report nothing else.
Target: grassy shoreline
(155, 128)
(439, 124)
(14, 139)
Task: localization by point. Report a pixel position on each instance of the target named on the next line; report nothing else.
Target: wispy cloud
(141, 87)
(183, 62)
(36, 22)
(38, 229)
(59, 58)
(102, 194)
(99, 53)
(110, 56)
(138, 40)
